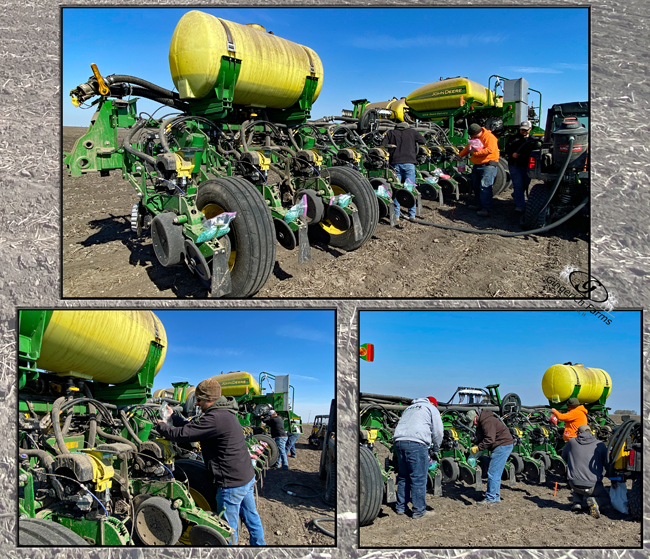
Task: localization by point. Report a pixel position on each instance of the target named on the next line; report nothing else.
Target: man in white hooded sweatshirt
(419, 428)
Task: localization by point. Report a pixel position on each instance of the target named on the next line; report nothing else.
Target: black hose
(127, 144)
(125, 421)
(316, 521)
(557, 182)
(116, 438)
(58, 435)
(121, 78)
(92, 430)
(615, 444)
(503, 233)
(43, 457)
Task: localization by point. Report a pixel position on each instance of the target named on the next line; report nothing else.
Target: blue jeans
(282, 449)
(240, 501)
(520, 182)
(291, 444)
(412, 464)
(498, 459)
(482, 180)
(404, 171)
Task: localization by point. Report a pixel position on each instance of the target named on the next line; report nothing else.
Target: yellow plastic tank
(395, 105)
(237, 383)
(105, 346)
(559, 382)
(450, 93)
(273, 70)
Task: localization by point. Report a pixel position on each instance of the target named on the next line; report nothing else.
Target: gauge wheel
(344, 180)
(252, 233)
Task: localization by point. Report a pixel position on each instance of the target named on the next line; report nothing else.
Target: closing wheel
(196, 262)
(371, 487)
(558, 466)
(533, 217)
(383, 208)
(468, 474)
(531, 469)
(156, 523)
(315, 206)
(405, 198)
(38, 532)
(202, 490)
(338, 217)
(449, 468)
(517, 462)
(345, 180)
(284, 234)
(167, 239)
(206, 536)
(543, 457)
(273, 452)
(252, 235)
(376, 182)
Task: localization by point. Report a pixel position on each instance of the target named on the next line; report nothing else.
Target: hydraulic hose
(127, 144)
(92, 430)
(504, 233)
(116, 438)
(58, 435)
(615, 444)
(43, 457)
(316, 522)
(125, 421)
(121, 78)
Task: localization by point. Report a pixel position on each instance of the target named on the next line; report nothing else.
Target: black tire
(206, 536)
(544, 458)
(383, 206)
(203, 491)
(517, 462)
(274, 453)
(157, 523)
(330, 487)
(252, 233)
(167, 239)
(533, 218)
(347, 180)
(501, 180)
(510, 403)
(635, 500)
(331, 428)
(38, 532)
(450, 469)
(371, 487)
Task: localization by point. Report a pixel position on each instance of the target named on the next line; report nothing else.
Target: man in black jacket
(518, 149)
(225, 454)
(493, 435)
(279, 434)
(586, 458)
(404, 155)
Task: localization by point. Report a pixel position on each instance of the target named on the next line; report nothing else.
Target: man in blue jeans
(293, 437)
(225, 454)
(518, 149)
(493, 435)
(419, 428)
(279, 434)
(403, 150)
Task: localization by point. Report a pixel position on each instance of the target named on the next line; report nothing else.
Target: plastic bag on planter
(341, 200)
(383, 192)
(432, 180)
(618, 496)
(299, 209)
(217, 226)
(438, 172)
(476, 144)
(409, 185)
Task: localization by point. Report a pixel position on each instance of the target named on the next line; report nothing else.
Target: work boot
(520, 210)
(577, 507)
(483, 213)
(593, 507)
(473, 207)
(486, 502)
(425, 513)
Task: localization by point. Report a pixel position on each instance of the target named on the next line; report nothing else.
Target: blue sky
(431, 353)
(203, 343)
(372, 53)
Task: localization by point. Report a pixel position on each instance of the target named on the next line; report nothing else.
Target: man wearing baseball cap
(573, 418)
(485, 161)
(518, 148)
(225, 454)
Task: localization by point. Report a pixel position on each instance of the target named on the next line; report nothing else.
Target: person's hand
(515, 155)
(474, 449)
(161, 421)
(553, 411)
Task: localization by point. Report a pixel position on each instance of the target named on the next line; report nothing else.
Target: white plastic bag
(218, 226)
(298, 209)
(341, 200)
(618, 496)
(383, 192)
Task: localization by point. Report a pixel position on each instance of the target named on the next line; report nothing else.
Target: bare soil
(529, 516)
(103, 258)
(287, 519)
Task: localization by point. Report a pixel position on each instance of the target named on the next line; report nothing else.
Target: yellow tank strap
(103, 88)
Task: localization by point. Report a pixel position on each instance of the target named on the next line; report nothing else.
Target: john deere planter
(228, 173)
(90, 463)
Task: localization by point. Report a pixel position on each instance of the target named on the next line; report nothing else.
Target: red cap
(432, 400)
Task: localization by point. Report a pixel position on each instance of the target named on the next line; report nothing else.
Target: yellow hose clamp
(103, 88)
(426, 150)
(518, 431)
(75, 101)
(384, 153)
(454, 434)
(357, 155)
(318, 158)
(102, 470)
(184, 167)
(544, 430)
(264, 161)
(372, 435)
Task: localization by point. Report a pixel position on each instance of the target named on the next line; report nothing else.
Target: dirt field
(287, 520)
(103, 258)
(529, 516)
